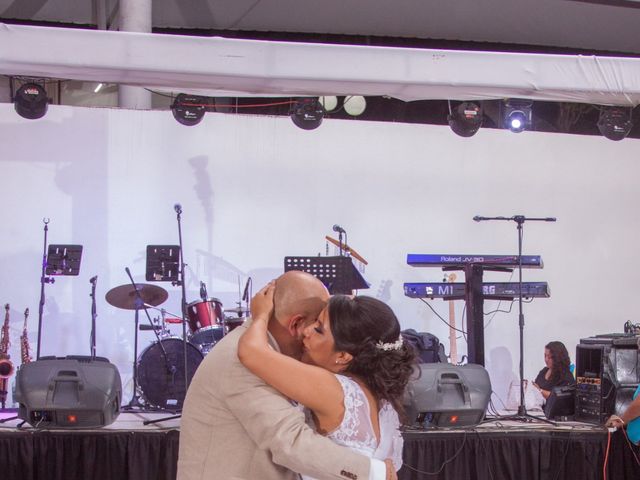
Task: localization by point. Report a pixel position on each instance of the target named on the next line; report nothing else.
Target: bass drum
(161, 380)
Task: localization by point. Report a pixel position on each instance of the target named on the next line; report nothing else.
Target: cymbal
(125, 296)
(237, 310)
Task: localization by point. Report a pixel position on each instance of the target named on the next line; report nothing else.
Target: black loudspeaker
(70, 392)
(445, 395)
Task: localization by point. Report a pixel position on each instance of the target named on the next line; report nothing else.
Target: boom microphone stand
(520, 219)
(178, 208)
(171, 369)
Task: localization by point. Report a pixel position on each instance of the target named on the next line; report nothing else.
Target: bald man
(234, 426)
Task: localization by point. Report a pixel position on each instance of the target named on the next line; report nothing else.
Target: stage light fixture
(329, 103)
(30, 101)
(355, 105)
(517, 114)
(306, 113)
(189, 109)
(465, 119)
(615, 123)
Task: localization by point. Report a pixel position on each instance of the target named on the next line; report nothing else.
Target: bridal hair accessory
(397, 345)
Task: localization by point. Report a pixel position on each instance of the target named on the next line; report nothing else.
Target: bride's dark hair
(361, 326)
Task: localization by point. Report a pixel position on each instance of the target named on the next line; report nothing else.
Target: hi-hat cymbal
(125, 296)
(237, 310)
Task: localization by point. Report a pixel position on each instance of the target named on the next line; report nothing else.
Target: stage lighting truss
(189, 109)
(30, 101)
(615, 123)
(465, 119)
(517, 114)
(307, 113)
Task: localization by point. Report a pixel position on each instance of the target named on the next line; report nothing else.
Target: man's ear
(296, 324)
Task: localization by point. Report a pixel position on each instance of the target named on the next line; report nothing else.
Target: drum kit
(159, 371)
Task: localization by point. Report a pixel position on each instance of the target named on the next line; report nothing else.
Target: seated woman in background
(557, 372)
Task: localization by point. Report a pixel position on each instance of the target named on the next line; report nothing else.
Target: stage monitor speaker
(69, 392)
(445, 395)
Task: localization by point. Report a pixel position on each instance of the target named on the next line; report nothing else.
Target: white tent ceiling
(226, 67)
(598, 26)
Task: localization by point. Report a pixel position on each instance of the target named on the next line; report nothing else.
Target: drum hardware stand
(140, 305)
(522, 414)
(59, 260)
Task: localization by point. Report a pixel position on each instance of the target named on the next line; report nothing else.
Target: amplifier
(606, 376)
(69, 392)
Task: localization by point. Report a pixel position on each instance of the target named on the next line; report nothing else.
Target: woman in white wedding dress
(352, 374)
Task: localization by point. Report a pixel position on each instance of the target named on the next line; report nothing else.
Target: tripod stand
(522, 414)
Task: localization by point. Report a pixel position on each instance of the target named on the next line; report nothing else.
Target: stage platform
(130, 450)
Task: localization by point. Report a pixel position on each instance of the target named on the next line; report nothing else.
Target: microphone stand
(522, 414)
(178, 208)
(43, 279)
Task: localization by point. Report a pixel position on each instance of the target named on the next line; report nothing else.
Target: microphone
(93, 280)
(338, 228)
(245, 294)
(203, 291)
(178, 208)
(478, 218)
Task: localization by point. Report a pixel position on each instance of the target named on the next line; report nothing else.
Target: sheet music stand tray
(64, 260)
(338, 274)
(162, 263)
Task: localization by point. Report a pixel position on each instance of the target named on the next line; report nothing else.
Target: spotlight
(306, 113)
(328, 103)
(615, 123)
(517, 114)
(188, 109)
(466, 119)
(31, 101)
(355, 105)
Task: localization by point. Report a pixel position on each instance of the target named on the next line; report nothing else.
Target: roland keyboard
(460, 260)
(499, 290)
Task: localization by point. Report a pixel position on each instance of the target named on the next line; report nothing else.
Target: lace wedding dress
(356, 430)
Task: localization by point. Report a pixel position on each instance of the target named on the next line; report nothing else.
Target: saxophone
(6, 367)
(24, 341)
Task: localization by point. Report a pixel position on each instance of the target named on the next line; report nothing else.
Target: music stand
(162, 263)
(64, 260)
(61, 260)
(338, 274)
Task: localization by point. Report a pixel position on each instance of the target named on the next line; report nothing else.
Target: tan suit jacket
(234, 426)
